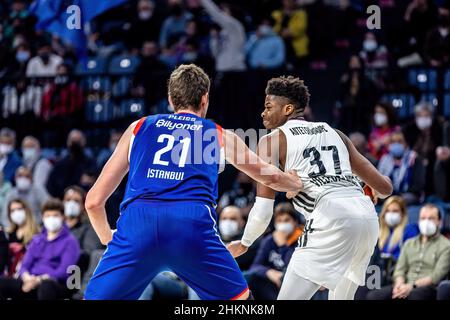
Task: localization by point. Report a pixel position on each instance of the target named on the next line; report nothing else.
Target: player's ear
(171, 103)
(288, 109)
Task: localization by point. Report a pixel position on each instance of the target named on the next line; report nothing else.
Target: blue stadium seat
(413, 214)
(91, 66)
(132, 107)
(446, 105)
(402, 102)
(99, 111)
(424, 79)
(96, 84)
(121, 87)
(123, 65)
(447, 80)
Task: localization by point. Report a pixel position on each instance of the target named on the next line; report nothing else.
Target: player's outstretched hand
(236, 248)
(292, 194)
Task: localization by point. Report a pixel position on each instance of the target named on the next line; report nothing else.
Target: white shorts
(339, 240)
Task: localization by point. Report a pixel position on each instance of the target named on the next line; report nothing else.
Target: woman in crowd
(384, 124)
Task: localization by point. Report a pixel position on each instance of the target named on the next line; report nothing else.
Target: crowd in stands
(48, 161)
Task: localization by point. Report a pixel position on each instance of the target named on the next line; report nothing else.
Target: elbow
(93, 202)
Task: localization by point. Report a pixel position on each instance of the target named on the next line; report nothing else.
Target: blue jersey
(174, 157)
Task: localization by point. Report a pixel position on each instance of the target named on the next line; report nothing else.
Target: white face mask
(228, 228)
(444, 32)
(380, 119)
(370, 45)
(392, 218)
(424, 122)
(18, 216)
(285, 227)
(23, 184)
(52, 224)
(5, 149)
(427, 227)
(29, 154)
(265, 30)
(145, 14)
(72, 209)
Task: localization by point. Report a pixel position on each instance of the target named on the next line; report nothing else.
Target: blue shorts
(153, 237)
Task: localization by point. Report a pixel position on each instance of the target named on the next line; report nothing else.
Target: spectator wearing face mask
(231, 227)
(43, 273)
(265, 49)
(374, 55)
(384, 124)
(22, 229)
(106, 153)
(35, 162)
(442, 167)
(21, 57)
(45, 64)
(405, 168)
(424, 135)
(4, 248)
(394, 231)
(267, 271)
(70, 168)
(175, 24)
(24, 189)
(145, 26)
(77, 221)
(5, 186)
(424, 261)
(9, 158)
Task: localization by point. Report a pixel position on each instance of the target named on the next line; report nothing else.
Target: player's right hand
(236, 248)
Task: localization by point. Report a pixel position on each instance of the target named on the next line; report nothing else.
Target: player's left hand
(371, 193)
(236, 248)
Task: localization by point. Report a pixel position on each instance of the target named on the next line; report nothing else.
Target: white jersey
(321, 159)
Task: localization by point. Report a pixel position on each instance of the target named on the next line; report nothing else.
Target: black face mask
(45, 57)
(76, 149)
(176, 10)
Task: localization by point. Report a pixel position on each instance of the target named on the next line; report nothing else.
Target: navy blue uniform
(168, 221)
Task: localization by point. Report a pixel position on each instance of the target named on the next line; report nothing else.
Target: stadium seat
(121, 87)
(402, 102)
(447, 80)
(424, 79)
(96, 84)
(446, 105)
(99, 111)
(123, 65)
(132, 107)
(91, 66)
(413, 214)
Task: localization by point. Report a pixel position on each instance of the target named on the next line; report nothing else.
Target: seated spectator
(22, 55)
(373, 54)
(145, 26)
(394, 231)
(437, 43)
(405, 168)
(175, 23)
(384, 124)
(22, 229)
(265, 49)
(266, 273)
(78, 223)
(242, 195)
(424, 261)
(25, 190)
(45, 64)
(424, 135)
(228, 45)
(69, 169)
(442, 167)
(35, 162)
(44, 269)
(22, 98)
(9, 158)
(106, 153)
(360, 143)
(231, 227)
(292, 24)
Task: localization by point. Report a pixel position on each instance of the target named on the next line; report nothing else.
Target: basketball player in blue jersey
(168, 221)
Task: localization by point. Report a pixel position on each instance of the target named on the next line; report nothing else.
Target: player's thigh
(295, 287)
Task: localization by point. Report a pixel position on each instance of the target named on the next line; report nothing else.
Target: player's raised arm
(238, 154)
(112, 174)
(271, 149)
(366, 170)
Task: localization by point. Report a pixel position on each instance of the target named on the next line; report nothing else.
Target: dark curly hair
(291, 88)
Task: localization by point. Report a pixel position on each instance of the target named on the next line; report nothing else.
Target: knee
(443, 290)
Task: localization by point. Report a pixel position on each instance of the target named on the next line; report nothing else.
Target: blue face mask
(397, 150)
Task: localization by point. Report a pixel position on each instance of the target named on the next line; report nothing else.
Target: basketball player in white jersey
(342, 226)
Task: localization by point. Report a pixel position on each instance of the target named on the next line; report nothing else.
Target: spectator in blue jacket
(9, 158)
(267, 271)
(43, 273)
(265, 48)
(175, 24)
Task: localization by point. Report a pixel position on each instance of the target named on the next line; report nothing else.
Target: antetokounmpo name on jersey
(306, 130)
